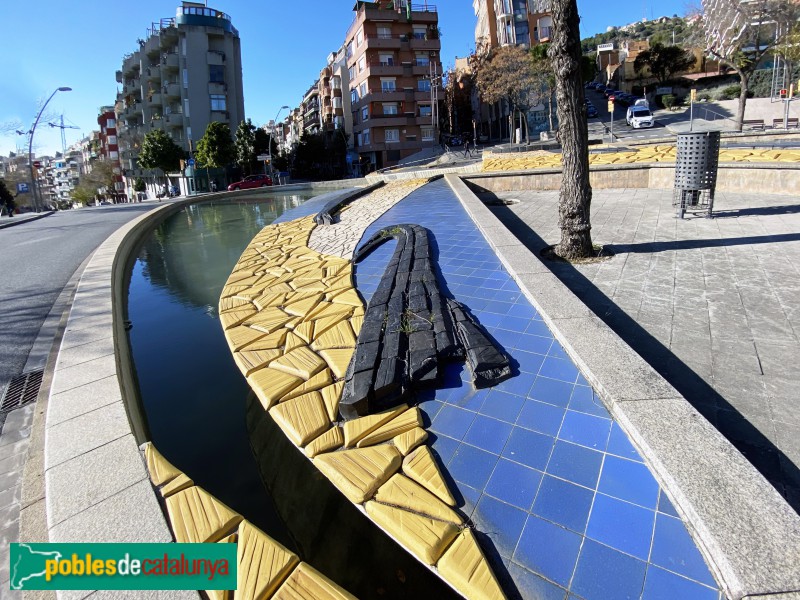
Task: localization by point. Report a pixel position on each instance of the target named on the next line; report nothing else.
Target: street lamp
(34, 185)
(271, 129)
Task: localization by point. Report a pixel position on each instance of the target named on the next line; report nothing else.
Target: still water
(191, 390)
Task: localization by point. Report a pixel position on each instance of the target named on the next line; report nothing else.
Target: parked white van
(639, 116)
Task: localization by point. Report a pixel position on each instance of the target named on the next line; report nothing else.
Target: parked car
(609, 92)
(250, 182)
(591, 111)
(639, 116)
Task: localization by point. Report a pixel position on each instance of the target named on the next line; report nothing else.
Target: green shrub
(731, 92)
(138, 185)
(668, 100)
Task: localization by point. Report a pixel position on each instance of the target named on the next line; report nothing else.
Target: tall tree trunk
(575, 196)
(744, 80)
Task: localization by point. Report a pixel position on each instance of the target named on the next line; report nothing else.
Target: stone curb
(20, 220)
(424, 173)
(748, 534)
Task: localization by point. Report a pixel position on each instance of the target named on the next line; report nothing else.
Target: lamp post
(274, 122)
(34, 185)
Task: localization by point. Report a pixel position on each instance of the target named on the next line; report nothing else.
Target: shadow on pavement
(770, 461)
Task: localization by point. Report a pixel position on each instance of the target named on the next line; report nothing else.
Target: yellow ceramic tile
(421, 466)
(308, 284)
(425, 538)
(404, 493)
(324, 323)
(274, 340)
(229, 304)
(400, 424)
(322, 379)
(340, 336)
(269, 300)
(161, 470)
(268, 321)
(302, 418)
(262, 564)
(302, 307)
(330, 440)
(236, 317)
(342, 311)
(360, 472)
(293, 341)
(337, 359)
(406, 442)
(349, 297)
(241, 336)
(180, 483)
(300, 362)
(356, 322)
(357, 429)
(253, 360)
(464, 566)
(271, 386)
(331, 395)
(305, 331)
(306, 583)
(197, 517)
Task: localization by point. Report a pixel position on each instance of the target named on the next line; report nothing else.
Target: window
(425, 110)
(350, 49)
(363, 138)
(216, 73)
(362, 89)
(390, 108)
(387, 60)
(337, 102)
(353, 96)
(113, 155)
(111, 123)
(183, 46)
(186, 107)
(218, 102)
(422, 59)
(388, 85)
(427, 133)
(352, 72)
(359, 38)
(112, 140)
(336, 82)
(188, 133)
(384, 32)
(365, 113)
(362, 64)
(392, 135)
(420, 31)
(185, 79)
(424, 85)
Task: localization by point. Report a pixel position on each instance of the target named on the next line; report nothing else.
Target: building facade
(512, 23)
(185, 74)
(394, 64)
(108, 147)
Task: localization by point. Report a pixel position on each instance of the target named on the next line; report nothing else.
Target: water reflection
(192, 393)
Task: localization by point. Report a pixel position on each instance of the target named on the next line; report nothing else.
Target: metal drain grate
(22, 390)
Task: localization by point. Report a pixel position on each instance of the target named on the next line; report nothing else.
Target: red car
(248, 183)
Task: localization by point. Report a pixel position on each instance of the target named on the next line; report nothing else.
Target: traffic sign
(190, 162)
(262, 157)
(610, 105)
(22, 188)
(694, 94)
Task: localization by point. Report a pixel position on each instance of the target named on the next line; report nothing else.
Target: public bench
(754, 123)
(791, 123)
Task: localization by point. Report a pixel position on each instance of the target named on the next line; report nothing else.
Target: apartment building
(512, 22)
(311, 110)
(186, 73)
(108, 146)
(334, 79)
(393, 59)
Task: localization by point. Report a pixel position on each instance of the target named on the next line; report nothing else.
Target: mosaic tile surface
(562, 503)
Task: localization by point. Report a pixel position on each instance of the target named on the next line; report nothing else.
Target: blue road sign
(190, 162)
(22, 188)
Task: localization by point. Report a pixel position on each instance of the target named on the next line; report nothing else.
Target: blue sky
(80, 44)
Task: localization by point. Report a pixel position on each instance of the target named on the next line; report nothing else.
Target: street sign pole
(786, 107)
(611, 112)
(691, 109)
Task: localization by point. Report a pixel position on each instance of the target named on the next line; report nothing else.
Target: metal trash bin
(696, 173)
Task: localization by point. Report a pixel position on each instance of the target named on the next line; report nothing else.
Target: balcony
(169, 36)
(154, 99)
(174, 119)
(152, 74)
(215, 57)
(221, 116)
(172, 90)
(377, 69)
(387, 121)
(157, 124)
(152, 46)
(169, 61)
(425, 43)
(217, 87)
(383, 42)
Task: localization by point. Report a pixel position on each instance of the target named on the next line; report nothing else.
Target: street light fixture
(34, 186)
(274, 122)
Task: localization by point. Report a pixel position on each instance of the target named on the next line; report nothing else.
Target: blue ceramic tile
(541, 417)
(582, 380)
(533, 586)
(472, 466)
(488, 319)
(488, 434)
(620, 445)
(529, 362)
(547, 549)
(665, 506)
(519, 384)
(674, 550)
(585, 430)
(469, 499)
(604, 574)
(560, 369)
(501, 522)
(502, 405)
(663, 585)
(558, 352)
(563, 503)
(551, 391)
(575, 463)
(444, 446)
(430, 408)
(586, 401)
(624, 526)
(516, 324)
(471, 399)
(529, 448)
(533, 343)
(523, 310)
(452, 421)
(514, 483)
(539, 328)
(629, 480)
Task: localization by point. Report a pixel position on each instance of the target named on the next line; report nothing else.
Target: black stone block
(388, 378)
(372, 328)
(392, 345)
(366, 356)
(422, 341)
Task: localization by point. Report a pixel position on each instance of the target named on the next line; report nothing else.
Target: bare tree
(741, 34)
(575, 195)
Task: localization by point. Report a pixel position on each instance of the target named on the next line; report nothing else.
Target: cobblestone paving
(340, 239)
(649, 154)
(709, 303)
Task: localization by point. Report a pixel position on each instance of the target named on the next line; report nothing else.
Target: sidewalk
(709, 303)
(6, 221)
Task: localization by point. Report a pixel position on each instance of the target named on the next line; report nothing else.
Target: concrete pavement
(709, 303)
